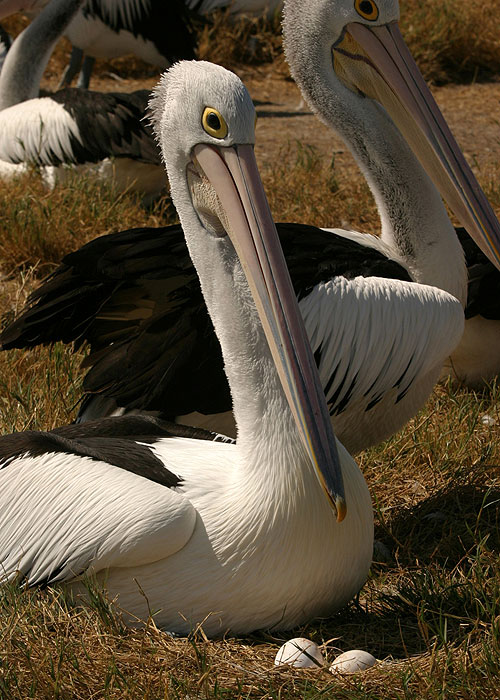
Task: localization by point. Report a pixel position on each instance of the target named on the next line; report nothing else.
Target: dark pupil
(213, 121)
(366, 7)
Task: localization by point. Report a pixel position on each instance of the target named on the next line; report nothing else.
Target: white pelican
(140, 311)
(103, 132)
(348, 58)
(157, 31)
(237, 536)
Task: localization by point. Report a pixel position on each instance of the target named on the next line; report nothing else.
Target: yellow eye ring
(214, 123)
(366, 9)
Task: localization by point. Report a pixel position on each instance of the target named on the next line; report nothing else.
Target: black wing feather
(117, 441)
(134, 297)
(483, 292)
(110, 125)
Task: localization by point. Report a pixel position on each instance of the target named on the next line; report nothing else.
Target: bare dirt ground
(472, 111)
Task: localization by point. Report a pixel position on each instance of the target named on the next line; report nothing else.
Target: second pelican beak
(376, 61)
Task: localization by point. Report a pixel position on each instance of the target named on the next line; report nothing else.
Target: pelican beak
(233, 173)
(376, 62)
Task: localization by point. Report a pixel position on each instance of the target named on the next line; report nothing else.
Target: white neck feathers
(414, 220)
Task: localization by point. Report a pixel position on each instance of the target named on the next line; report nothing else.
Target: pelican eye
(214, 123)
(366, 9)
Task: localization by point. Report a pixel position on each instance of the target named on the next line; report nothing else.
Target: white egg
(300, 653)
(352, 661)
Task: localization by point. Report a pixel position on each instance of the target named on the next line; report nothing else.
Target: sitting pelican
(101, 132)
(237, 536)
(139, 308)
(349, 59)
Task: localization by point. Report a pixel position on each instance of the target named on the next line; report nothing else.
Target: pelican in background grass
(268, 532)
(153, 30)
(156, 31)
(399, 300)
(98, 132)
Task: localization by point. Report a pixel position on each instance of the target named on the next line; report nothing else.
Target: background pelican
(415, 229)
(146, 328)
(239, 536)
(156, 30)
(101, 131)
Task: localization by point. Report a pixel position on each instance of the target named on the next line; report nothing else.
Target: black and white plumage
(134, 298)
(267, 532)
(157, 31)
(397, 334)
(475, 363)
(104, 133)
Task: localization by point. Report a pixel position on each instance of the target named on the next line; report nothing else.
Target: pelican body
(266, 532)
(103, 133)
(157, 31)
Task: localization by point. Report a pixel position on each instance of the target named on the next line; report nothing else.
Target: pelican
(399, 299)
(154, 30)
(237, 536)
(338, 52)
(93, 131)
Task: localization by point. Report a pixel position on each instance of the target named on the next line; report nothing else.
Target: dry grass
(303, 184)
(38, 227)
(243, 41)
(451, 41)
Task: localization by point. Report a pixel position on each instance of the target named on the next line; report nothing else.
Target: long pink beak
(447, 166)
(234, 175)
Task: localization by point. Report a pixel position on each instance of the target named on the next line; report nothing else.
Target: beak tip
(341, 508)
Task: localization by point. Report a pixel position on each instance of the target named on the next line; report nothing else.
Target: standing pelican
(104, 132)
(237, 536)
(154, 30)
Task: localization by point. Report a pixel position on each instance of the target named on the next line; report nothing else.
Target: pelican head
(354, 50)
(204, 121)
